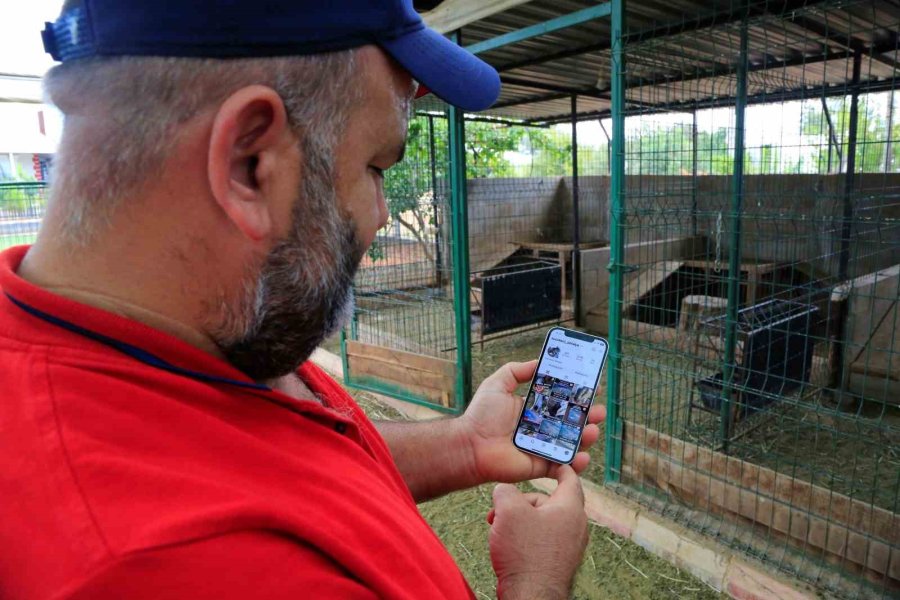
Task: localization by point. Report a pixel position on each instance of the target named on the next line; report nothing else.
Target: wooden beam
(530, 100)
(20, 100)
(847, 41)
(454, 14)
(866, 87)
(550, 87)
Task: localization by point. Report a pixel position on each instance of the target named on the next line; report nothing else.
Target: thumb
(509, 376)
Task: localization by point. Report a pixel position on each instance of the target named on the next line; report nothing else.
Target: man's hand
(445, 455)
(538, 541)
(489, 422)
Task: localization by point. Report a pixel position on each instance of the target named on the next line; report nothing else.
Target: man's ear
(249, 136)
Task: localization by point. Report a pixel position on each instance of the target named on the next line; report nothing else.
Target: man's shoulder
(157, 456)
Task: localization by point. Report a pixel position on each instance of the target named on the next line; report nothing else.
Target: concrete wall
(795, 218)
(790, 218)
(786, 218)
(536, 209)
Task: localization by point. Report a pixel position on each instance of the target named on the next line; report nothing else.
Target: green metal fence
(511, 207)
(737, 237)
(22, 205)
(422, 288)
(755, 282)
(406, 288)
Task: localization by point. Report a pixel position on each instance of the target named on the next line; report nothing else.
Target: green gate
(411, 336)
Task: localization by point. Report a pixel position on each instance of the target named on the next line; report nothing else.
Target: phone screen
(560, 395)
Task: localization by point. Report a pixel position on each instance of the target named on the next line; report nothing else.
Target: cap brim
(450, 72)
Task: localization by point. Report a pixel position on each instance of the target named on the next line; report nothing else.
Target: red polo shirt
(133, 465)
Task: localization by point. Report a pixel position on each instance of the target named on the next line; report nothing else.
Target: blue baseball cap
(259, 28)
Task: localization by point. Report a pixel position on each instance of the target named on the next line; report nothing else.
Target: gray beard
(301, 294)
(300, 300)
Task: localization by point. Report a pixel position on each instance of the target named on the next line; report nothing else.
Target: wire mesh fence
(22, 206)
(520, 194)
(758, 307)
(404, 287)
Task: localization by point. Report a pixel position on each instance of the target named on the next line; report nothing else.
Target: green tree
(408, 186)
(669, 151)
(872, 135)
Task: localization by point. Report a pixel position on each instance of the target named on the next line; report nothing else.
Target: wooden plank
(597, 321)
(880, 356)
(408, 360)
(874, 387)
(481, 261)
(873, 368)
(808, 515)
(362, 365)
(749, 267)
(450, 15)
(869, 279)
(428, 377)
(654, 334)
(431, 386)
(560, 246)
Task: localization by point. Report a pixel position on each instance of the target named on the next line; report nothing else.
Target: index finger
(569, 484)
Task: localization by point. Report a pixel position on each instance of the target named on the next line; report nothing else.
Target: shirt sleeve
(236, 565)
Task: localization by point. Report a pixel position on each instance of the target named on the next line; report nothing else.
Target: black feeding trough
(773, 354)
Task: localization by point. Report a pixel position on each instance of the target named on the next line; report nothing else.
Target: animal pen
(715, 186)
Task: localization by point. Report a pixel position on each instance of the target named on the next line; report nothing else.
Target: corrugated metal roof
(683, 53)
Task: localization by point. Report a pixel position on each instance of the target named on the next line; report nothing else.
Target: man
(161, 434)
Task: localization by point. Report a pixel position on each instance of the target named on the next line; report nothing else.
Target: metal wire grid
(404, 285)
(521, 192)
(22, 206)
(809, 219)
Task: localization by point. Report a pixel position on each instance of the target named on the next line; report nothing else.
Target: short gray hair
(124, 113)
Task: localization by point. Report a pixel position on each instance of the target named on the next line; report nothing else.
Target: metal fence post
(576, 227)
(694, 157)
(460, 251)
(438, 259)
(734, 256)
(613, 467)
(841, 376)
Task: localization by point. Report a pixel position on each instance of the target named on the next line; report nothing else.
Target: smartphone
(560, 396)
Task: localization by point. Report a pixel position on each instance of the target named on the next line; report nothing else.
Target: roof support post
(614, 429)
(576, 221)
(734, 254)
(438, 242)
(840, 347)
(459, 215)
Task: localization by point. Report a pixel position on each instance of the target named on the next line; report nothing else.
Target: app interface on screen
(557, 403)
